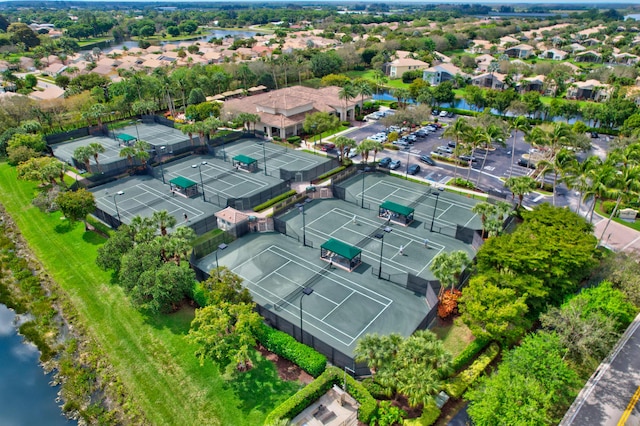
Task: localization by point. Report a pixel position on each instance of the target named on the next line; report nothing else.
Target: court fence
(105, 217)
(211, 245)
(309, 175)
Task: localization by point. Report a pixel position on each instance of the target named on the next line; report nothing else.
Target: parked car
(450, 114)
(328, 147)
(428, 160)
(411, 138)
(421, 133)
(395, 164)
(435, 112)
(526, 163)
(443, 113)
(451, 144)
(352, 153)
(413, 169)
(445, 149)
(595, 135)
(385, 162)
(468, 158)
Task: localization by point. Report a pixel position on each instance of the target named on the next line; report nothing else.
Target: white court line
(287, 279)
(454, 202)
(194, 211)
(328, 275)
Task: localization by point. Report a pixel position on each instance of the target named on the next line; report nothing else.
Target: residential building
(493, 80)
(481, 46)
(508, 40)
(588, 56)
(399, 66)
(554, 54)
(589, 90)
(522, 51)
(625, 58)
(483, 62)
(54, 70)
(282, 112)
(440, 73)
(532, 84)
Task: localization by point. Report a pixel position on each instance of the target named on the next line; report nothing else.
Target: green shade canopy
(341, 249)
(182, 182)
(244, 159)
(397, 208)
(126, 138)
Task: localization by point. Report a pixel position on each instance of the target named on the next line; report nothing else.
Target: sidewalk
(618, 237)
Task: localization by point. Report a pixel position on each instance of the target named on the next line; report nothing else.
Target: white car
(443, 113)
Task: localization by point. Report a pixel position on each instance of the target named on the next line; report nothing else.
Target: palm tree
(96, 149)
(520, 186)
(376, 147)
(346, 93)
(189, 129)
(83, 154)
(457, 130)
(183, 237)
(129, 153)
(379, 78)
(447, 267)
(576, 175)
(364, 148)
(473, 138)
(599, 179)
(163, 220)
(520, 124)
(485, 210)
(341, 143)
(377, 351)
(403, 96)
(363, 89)
(493, 133)
(142, 152)
(211, 126)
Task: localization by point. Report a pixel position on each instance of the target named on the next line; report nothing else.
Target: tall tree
(83, 154)
(76, 205)
(520, 124)
(520, 186)
(96, 148)
(447, 268)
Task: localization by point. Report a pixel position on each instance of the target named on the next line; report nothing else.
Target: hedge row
(287, 347)
(469, 353)
(459, 384)
(274, 200)
(314, 390)
(329, 173)
(430, 413)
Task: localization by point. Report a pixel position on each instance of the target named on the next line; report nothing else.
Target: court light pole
(362, 197)
(115, 202)
(162, 149)
(435, 207)
(304, 233)
(305, 292)
(199, 167)
(264, 158)
(380, 236)
(406, 172)
(220, 247)
(136, 123)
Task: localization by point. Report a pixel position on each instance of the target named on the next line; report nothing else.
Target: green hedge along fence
(280, 343)
(459, 384)
(274, 200)
(314, 390)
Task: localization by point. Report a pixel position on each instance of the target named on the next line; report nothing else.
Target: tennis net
(289, 298)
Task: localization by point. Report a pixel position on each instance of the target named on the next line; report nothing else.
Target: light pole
(136, 123)
(362, 197)
(406, 173)
(112, 125)
(305, 292)
(304, 233)
(220, 247)
(380, 236)
(162, 149)
(115, 202)
(264, 158)
(435, 207)
(199, 167)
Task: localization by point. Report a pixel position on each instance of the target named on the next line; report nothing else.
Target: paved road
(608, 397)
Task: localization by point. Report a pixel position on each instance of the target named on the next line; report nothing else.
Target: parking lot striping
(374, 256)
(290, 258)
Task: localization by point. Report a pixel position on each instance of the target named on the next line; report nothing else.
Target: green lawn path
(150, 355)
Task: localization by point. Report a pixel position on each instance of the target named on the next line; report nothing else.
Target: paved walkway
(617, 237)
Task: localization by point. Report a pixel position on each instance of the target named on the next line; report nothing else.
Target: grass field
(455, 336)
(151, 356)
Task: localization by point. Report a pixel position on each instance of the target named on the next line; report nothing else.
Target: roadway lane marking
(629, 409)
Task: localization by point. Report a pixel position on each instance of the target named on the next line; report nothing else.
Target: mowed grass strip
(154, 361)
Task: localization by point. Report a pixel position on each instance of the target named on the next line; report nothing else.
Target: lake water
(635, 16)
(26, 398)
(206, 37)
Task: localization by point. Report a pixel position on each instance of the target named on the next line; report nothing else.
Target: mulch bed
(287, 370)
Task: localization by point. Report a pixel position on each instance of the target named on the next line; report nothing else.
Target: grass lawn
(454, 335)
(155, 363)
(95, 40)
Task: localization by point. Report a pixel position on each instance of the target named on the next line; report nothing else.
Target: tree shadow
(178, 322)
(260, 388)
(65, 226)
(93, 237)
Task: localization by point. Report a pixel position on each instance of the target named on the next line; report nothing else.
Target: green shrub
(198, 295)
(345, 123)
(430, 413)
(280, 343)
(329, 173)
(391, 146)
(314, 390)
(294, 139)
(463, 183)
(376, 389)
(277, 138)
(459, 384)
(607, 206)
(275, 200)
(468, 354)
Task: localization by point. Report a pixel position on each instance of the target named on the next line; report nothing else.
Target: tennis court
(64, 151)
(277, 157)
(343, 306)
(452, 209)
(155, 134)
(403, 249)
(222, 181)
(142, 196)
